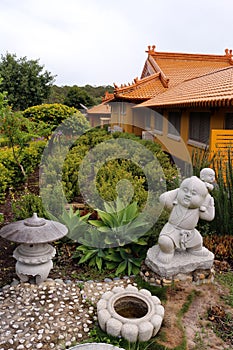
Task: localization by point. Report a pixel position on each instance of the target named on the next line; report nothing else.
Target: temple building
(180, 99)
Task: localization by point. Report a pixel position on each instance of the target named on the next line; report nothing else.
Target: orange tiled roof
(102, 108)
(164, 70)
(141, 89)
(212, 89)
(178, 67)
(108, 96)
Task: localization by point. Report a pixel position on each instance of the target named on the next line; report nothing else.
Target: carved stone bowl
(131, 313)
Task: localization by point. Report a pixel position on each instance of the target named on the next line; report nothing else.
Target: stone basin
(131, 313)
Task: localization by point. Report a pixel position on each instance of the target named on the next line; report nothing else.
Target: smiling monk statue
(188, 203)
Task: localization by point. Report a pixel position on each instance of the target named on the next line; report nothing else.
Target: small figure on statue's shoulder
(207, 175)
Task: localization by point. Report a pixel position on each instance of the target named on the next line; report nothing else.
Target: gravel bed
(52, 315)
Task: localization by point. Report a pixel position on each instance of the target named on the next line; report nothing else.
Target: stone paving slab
(52, 315)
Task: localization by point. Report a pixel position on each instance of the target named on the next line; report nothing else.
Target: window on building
(158, 120)
(229, 121)
(199, 127)
(123, 108)
(146, 112)
(174, 123)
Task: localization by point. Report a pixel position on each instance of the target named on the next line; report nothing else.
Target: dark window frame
(228, 123)
(199, 127)
(158, 121)
(174, 123)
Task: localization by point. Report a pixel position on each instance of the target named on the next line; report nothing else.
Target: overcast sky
(101, 42)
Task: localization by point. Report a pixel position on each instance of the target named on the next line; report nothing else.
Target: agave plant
(75, 223)
(111, 242)
(120, 224)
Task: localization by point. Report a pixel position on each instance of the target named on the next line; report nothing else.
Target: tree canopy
(3, 101)
(96, 93)
(25, 81)
(76, 97)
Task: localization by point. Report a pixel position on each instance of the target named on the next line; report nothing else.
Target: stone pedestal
(34, 261)
(184, 266)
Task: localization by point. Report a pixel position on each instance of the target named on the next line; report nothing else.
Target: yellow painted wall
(179, 147)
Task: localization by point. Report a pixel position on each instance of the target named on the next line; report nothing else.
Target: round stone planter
(131, 313)
(95, 346)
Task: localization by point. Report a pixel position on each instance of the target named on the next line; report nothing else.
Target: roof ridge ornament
(228, 52)
(151, 49)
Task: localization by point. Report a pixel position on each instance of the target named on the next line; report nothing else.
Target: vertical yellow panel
(221, 143)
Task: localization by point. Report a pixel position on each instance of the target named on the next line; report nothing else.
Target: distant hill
(59, 93)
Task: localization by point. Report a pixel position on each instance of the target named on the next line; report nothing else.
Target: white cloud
(101, 42)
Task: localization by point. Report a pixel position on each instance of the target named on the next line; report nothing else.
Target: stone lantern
(34, 254)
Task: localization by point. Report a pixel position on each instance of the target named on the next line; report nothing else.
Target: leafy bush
(123, 260)
(223, 193)
(27, 205)
(10, 174)
(51, 114)
(4, 181)
(29, 157)
(117, 179)
(221, 246)
(117, 166)
(52, 162)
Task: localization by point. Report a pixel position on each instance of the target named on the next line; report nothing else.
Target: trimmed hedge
(10, 173)
(51, 114)
(113, 170)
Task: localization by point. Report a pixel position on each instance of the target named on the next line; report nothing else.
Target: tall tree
(25, 81)
(3, 100)
(77, 96)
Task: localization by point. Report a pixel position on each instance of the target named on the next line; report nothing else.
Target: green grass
(226, 279)
(97, 335)
(161, 293)
(223, 324)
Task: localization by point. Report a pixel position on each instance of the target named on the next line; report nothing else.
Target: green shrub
(29, 157)
(123, 260)
(8, 161)
(117, 166)
(4, 181)
(51, 114)
(27, 205)
(223, 193)
(109, 186)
